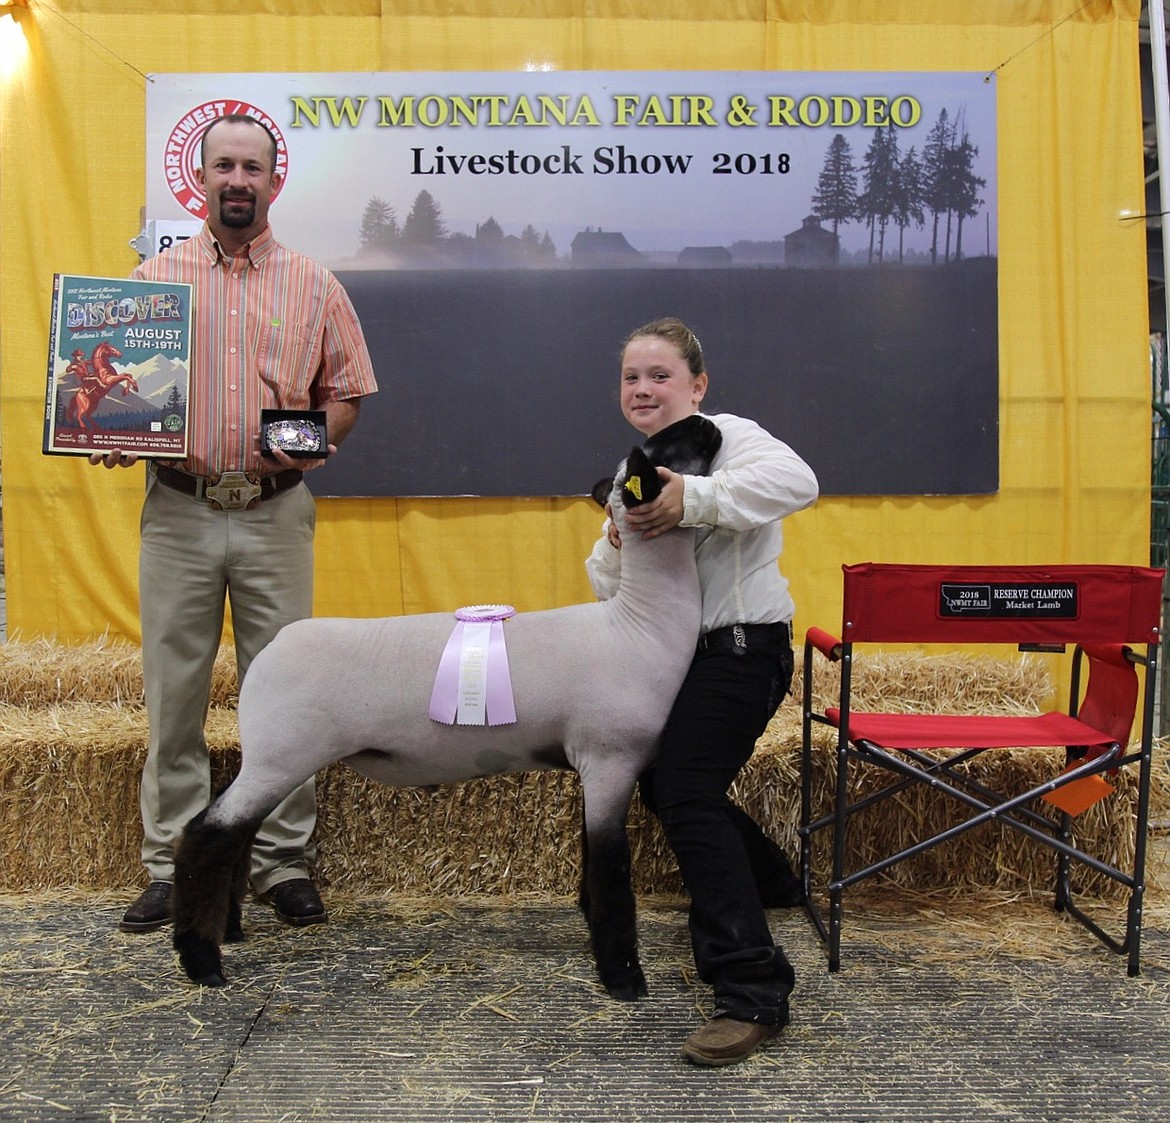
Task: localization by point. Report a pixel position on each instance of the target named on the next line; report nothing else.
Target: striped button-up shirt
(272, 329)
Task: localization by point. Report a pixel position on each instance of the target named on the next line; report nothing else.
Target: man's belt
(229, 491)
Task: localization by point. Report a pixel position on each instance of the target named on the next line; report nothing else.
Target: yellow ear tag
(634, 484)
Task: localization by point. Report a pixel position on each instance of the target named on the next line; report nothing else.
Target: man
(271, 329)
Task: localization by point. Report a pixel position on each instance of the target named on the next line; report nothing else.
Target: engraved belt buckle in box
(232, 491)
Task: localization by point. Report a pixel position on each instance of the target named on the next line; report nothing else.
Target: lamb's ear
(601, 491)
(687, 447)
(640, 482)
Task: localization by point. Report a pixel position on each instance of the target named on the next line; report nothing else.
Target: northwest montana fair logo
(182, 151)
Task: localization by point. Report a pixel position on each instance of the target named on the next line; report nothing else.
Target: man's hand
(115, 458)
(301, 465)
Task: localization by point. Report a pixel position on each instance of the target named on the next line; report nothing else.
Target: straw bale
(70, 765)
(70, 775)
(44, 672)
(916, 682)
(990, 856)
(498, 835)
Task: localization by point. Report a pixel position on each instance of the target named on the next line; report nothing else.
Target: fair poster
(119, 366)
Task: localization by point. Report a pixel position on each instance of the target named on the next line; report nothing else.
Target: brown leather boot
(724, 1041)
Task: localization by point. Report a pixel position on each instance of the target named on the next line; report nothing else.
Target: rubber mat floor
(474, 1011)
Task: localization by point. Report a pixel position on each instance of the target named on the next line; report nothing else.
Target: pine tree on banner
(878, 200)
(909, 206)
(934, 158)
(379, 227)
(964, 184)
(835, 199)
(424, 225)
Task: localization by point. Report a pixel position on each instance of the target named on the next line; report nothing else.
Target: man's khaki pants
(192, 559)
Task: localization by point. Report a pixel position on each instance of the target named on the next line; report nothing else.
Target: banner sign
(831, 238)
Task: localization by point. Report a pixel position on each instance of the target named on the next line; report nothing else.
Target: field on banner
(504, 382)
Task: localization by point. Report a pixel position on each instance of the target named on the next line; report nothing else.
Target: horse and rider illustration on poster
(119, 367)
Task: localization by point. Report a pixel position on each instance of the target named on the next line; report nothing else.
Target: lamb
(592, 683)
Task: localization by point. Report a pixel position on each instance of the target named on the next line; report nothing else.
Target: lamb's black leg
(583, 887)
(205, 906)
(611, 912)
(233, 932)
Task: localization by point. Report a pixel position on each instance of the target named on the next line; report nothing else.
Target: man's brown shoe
(724, 1041)
(152, 909)
(297, 902)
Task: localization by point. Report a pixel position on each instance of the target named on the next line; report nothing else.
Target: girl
(741, 670)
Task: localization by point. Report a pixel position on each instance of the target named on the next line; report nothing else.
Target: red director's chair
(1098, 609)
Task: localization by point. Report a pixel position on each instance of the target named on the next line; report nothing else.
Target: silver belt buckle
(740, 637)
(232, 491)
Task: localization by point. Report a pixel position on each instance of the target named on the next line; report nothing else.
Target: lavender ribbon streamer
(498, 701)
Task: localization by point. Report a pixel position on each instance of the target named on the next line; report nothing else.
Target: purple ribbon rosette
(473, 685)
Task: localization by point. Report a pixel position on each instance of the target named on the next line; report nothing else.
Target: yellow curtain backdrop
(1074, 379)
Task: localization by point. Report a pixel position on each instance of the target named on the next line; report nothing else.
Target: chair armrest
(826, 643)
(1116, 654)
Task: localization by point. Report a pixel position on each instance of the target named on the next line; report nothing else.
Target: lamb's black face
(687, 447)
(639, 482)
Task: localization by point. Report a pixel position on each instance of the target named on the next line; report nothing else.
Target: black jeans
(725, 703)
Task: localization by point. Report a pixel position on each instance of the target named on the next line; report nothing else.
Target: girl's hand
(665, 513)
(613, 535)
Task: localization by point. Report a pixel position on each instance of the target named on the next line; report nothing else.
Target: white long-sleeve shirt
(755, 481)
